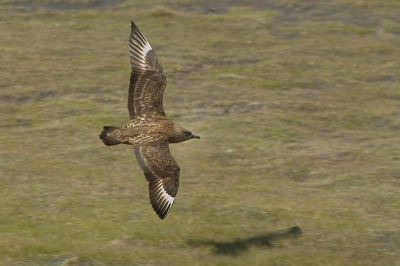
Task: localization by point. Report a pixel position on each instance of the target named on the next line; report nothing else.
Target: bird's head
(191, 135)
(182, 134)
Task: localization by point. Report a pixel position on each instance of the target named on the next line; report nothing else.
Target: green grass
(298, 116)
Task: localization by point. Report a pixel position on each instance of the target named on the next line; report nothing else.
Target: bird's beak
(195, 136)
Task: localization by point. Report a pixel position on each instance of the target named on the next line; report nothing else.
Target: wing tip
(161, 203)
(163, 212)
(135, 31)
(139, 48)
(162, 208)
(133, 25)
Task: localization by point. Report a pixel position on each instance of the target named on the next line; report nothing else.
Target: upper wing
(162, 172)
(147, 82)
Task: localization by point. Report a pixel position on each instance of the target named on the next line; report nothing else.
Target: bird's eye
(188, 133)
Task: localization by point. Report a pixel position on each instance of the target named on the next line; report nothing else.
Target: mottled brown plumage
(149, 130)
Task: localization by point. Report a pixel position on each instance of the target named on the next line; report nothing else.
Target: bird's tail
(106, 136)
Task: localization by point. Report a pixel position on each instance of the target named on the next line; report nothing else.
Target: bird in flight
(148, 129)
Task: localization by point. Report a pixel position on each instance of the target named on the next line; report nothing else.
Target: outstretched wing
(147, 83)
(162, 172)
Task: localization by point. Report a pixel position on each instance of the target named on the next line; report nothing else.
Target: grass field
(298, 108)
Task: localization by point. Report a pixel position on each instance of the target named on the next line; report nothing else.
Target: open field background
(297, 103)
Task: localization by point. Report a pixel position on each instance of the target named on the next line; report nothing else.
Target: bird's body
(149, 130)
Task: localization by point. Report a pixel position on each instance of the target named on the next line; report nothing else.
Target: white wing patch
(164, 197)
(143, 50)
(146, 49)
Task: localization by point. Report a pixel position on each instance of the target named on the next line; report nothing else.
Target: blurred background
(297, 104)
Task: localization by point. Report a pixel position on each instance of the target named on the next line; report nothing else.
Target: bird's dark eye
(188, 133)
